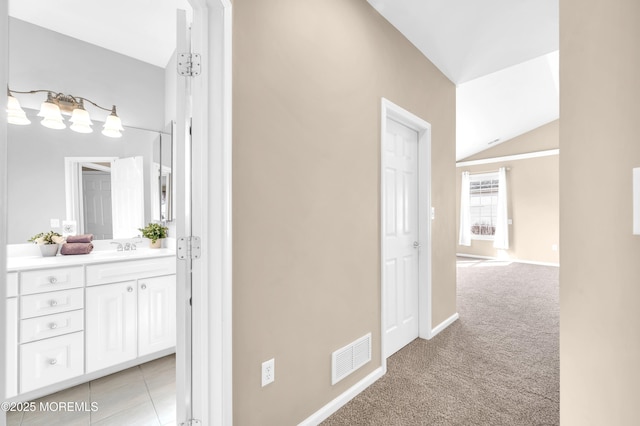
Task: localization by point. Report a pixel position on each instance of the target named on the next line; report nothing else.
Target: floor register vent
(348, 359)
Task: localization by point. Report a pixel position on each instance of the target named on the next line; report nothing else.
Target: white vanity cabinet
(111, 324)
(85, 317)
(156, 314)
(132, 317)
(51, 338)
(11, 373)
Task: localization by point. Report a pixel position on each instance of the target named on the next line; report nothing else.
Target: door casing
(425, 215)
(212, 342)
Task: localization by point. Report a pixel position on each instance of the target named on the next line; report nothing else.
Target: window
(483, 205)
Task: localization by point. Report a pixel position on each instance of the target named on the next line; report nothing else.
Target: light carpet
(498, 364)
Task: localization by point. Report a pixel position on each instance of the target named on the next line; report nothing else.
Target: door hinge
(188, 248)
(189, 64)
(191, 422)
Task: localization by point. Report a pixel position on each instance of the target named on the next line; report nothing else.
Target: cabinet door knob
(129, 289)
(53, 361)
(53, 280)
(53, 303)
(53, 326)
(143, 286)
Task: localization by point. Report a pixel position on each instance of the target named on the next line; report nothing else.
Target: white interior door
(127, 196)
(183, 223)
(400, 235)
(96, 189)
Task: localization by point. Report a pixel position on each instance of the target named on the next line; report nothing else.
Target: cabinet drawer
(53, 279)
(50, 361)
(107, 273)
(51, 325)
(12, 284)
(53, 302)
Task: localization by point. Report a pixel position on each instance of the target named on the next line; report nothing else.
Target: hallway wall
(307, 87)
(600, 273)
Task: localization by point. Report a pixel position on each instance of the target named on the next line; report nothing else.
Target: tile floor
(143, 395)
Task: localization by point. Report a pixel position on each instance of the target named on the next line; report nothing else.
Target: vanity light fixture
(15, 113)
(57, 104)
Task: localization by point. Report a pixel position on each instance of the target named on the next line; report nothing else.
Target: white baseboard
(333, 406)
(530, 262)
(444, 324)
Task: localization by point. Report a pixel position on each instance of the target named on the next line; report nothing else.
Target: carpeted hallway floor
(497, 365)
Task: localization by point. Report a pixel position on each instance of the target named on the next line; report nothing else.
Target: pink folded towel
(85, 238)
(76, 248)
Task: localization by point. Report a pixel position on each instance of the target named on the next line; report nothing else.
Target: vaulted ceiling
(501, 54)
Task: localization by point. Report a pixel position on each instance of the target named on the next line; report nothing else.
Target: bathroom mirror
(58, 177)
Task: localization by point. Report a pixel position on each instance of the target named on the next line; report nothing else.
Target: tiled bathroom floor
(144, 395)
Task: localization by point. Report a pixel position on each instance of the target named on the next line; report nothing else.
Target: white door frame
(402, 116)
(211, 213)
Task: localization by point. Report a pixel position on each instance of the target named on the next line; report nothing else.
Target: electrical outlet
(268, 371)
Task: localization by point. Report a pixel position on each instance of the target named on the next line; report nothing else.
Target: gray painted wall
(43, 59)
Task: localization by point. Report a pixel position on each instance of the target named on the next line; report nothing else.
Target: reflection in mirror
(88, 190)
(105, 186)
(162, 166)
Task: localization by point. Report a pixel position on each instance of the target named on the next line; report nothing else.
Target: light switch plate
(55, 223)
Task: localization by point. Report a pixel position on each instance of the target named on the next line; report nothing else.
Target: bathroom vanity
(72, 319)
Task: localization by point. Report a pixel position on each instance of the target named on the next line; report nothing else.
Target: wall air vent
(348, 359)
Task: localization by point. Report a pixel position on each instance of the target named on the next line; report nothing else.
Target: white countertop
(18, 263)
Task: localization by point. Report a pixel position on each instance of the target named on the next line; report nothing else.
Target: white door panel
(96, 187)
(127, 196)
(400, 236)
(185, 382)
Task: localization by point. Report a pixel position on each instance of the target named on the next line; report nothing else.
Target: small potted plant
(155, 232)
(48, 242)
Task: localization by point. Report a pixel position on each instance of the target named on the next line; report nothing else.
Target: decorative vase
(48, 250)
(156, 244)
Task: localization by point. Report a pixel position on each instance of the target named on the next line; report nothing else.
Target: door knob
(416, 245)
